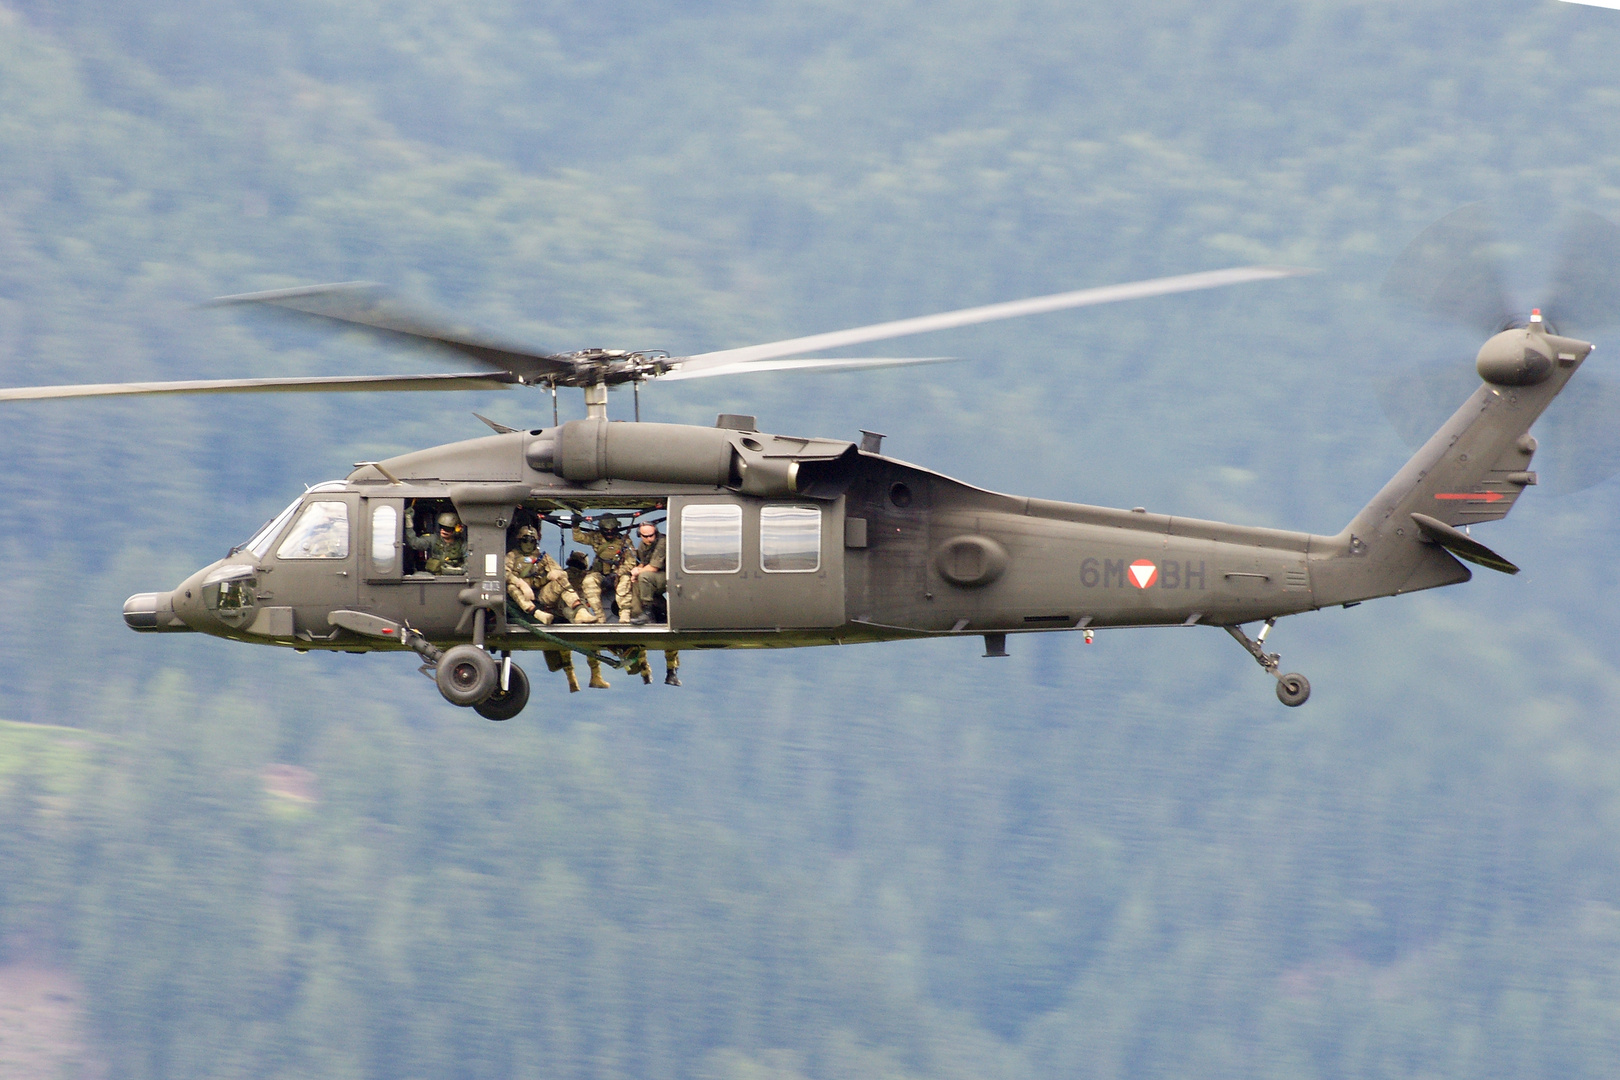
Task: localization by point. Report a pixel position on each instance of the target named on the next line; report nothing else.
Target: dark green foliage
(1114, 861)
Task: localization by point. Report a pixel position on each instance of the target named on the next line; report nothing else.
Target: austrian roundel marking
(1143, 573)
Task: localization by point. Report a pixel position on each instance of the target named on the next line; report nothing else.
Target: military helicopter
(779, 541)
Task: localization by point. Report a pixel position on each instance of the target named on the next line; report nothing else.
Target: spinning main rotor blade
(1614, 4)
(973, 316)
(834, 363)
(370, 306)
(356, 383)
(361, 303)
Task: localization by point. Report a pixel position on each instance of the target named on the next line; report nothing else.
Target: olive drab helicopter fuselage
(780, 541)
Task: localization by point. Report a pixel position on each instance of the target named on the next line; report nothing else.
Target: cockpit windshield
(260, 544)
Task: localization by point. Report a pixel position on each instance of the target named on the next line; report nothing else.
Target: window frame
(716, 511)
(292, 533)
(786, 511)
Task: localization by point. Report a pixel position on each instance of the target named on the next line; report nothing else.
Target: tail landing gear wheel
(467, 675)
(505, 704)
(1293, 689)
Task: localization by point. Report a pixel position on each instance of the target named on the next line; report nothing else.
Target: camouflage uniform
(612, 555)
(635, 663)
(563, 660)
(541, 588)
(443, 556)
(648, 586)
(579, 577)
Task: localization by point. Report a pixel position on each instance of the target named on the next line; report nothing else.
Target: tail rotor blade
(1579, 433)
(1452, 271)
(1580, 436)
(1586, 285)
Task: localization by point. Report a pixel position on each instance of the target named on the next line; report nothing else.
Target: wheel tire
(505, 704)
(466, 675)
(1293, 690)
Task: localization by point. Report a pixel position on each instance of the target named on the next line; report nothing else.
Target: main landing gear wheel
(505, 704)
(1293, 689)
(467, 675)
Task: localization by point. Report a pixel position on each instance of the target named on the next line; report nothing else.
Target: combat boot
(671, 679)
(597, 682)
(584, 616)
(573, 680)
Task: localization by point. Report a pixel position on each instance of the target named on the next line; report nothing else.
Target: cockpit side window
(321, 532)
(266, 536)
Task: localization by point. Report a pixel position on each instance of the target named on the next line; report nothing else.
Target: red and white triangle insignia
(1143, 573)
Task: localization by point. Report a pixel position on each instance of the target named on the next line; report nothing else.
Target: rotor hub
(1526, 355)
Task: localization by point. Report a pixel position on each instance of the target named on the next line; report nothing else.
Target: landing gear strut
(1293, 689)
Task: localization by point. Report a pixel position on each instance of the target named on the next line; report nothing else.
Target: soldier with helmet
(446, 549)
(540, 587)
(614, 555)
(578, 576)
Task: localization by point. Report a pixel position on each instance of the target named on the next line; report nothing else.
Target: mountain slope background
(1116, 860)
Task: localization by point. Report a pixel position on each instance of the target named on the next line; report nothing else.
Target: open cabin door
(740, 563)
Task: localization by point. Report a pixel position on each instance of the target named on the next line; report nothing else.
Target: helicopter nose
(153, 613)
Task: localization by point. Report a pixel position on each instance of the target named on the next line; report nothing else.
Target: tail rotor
(1453, 272)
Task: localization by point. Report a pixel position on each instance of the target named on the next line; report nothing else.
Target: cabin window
(384, 539)
(711, 538)
(790, 539)
(321, 532)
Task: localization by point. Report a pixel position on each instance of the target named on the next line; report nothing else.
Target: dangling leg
(597, 682)
(637, 664)
(591, 589)
(672, 664)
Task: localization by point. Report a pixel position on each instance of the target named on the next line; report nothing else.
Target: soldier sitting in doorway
(648, 572)
(579, 578)
(608, 570)
(540, 587)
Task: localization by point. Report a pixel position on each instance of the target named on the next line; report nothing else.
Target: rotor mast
(596, 400)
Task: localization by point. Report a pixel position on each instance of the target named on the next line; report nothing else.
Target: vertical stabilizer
(1472, 470)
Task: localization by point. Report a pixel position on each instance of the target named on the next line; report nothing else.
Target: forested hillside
(1116, 860)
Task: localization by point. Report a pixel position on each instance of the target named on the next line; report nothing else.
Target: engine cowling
(770, 466)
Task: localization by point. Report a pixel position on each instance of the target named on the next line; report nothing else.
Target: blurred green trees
(1114, 861)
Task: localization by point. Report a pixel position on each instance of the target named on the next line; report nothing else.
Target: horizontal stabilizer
(1462, 545)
